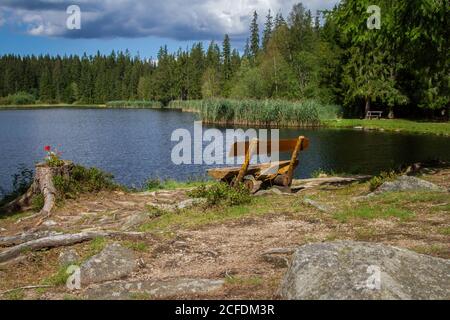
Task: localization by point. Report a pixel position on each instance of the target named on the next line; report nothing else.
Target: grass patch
(445, 231)
(57, 279)
(95, 246)
(154, 184)
(439, 128)
(136, 246)
(243, 281)
(17, 294)
(373, 211)
(193, 218)
(434, 249)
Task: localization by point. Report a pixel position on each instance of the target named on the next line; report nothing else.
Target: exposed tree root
(60, 240)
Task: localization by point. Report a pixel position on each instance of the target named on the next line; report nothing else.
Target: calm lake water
(136, 144)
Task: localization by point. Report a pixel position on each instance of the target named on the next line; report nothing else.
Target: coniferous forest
(330, 56)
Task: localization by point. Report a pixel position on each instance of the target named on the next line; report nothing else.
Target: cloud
(176, 19)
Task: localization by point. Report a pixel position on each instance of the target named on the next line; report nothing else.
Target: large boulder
(113, 262)
(360, 270)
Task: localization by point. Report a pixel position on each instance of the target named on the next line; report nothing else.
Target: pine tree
(268, 27)
(254, 36)
(226, 58)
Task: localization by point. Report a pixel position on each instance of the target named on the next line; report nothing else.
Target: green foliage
(83, 180)
(222, 194)
(37, 202)
(19, 98)
(134, 104)
(377, 181)
(17, 294)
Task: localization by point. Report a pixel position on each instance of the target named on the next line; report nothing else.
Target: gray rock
(134, 220)
(68, 257)
(189, 203)
(360, 270)
(406, 183)
(121, 290)
(112, 263)
(319, 206)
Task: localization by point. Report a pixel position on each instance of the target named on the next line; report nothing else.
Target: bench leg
(248, 156)
(295, 153)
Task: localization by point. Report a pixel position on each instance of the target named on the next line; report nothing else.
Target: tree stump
(42, 184)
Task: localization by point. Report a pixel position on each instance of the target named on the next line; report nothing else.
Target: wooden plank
(240, 148)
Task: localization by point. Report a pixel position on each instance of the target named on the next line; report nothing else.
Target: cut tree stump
(42, 184)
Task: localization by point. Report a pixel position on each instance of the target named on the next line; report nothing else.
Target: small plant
(220, 193)
(377, 181)
(37, 202)
(53, 158)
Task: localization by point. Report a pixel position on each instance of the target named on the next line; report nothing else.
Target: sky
(141, 26)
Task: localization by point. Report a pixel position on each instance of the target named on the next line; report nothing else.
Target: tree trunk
(391, 113)
(367, 109)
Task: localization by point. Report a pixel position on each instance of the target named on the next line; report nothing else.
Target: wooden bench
(374, 114)
(253, 176)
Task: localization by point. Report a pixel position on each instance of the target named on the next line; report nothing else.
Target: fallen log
(61, 240)
(25, 237)
(298, 184)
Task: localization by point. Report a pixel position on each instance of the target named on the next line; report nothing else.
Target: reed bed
(134, 104)
(186, 105)
(277, 113)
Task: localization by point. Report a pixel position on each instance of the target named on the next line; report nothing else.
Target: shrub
(37, 202)
(83, 180)
(220, 193)
(377, 181)
(19, 98)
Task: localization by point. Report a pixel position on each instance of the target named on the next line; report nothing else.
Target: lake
(135, 144)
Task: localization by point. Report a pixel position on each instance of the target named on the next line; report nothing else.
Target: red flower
(47, 148)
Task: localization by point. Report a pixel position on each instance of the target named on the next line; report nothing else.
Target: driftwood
(27, 288)
(42, 184)
(298, 184)
(61, 240)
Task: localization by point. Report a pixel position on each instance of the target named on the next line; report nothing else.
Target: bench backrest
(267, 147)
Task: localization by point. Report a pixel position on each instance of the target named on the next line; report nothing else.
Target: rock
(274, 190)
(406, 183)
(134, 220)
(49, 223)
(120, 290)
(112, 263)
(68, 257)
(317, 205)
(360, 270)
(189, 203)
(279, 257)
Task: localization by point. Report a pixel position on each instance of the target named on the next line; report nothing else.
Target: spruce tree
(254, 36)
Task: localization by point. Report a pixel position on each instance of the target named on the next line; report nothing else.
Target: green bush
(19, 98)
(220, 193)
(83, 180)
(37, 202)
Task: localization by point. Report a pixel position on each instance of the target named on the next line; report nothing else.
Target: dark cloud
(177, 19)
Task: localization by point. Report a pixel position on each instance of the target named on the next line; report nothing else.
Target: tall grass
(134, 104)
(266, 112)
(186, 105)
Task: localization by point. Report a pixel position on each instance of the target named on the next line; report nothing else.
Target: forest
(331, 57)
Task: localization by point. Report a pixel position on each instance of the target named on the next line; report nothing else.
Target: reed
(134, 104)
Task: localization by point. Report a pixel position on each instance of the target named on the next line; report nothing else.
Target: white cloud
(177, 19)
